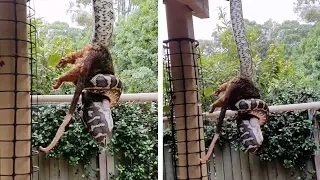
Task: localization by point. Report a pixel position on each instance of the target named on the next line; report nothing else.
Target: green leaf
(166, 108)
(208, 91)
(53, 59)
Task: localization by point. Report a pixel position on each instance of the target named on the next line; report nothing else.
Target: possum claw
(61, 63)
(216, 93)
(212, 109)
(57, 83)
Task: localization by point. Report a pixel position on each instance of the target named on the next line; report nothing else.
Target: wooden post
(316, 138)
(189, 124)
(110, 161)
(102, 165)
(167, 158)
(106, 163)
(15, 123)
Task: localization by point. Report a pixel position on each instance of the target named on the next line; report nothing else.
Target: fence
(229, 164)
(58, 169)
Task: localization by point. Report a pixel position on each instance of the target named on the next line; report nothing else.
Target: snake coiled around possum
(96, 114)
(249, 127)
(240, 93)
(255, 107)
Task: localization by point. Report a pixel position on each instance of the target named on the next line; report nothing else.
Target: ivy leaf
(53, 59)
(166, 108)
(208, 91)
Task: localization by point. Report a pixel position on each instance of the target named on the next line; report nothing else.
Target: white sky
(52, 10)
(258, 10)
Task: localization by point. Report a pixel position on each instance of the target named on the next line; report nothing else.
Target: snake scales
(255, 107)
(96, 115)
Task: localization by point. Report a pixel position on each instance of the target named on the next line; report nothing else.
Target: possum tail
(217, 133)
(80, 85)
(213, 142)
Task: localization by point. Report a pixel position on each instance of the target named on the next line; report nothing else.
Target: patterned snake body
(96, 115)
(251, 112)
(249, 127)
(240, 39)
(255, 107)
(103, 90)
(103, 14)
(103, 93)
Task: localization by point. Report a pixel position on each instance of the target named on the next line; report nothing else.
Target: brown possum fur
(236, 89)
(89, 61)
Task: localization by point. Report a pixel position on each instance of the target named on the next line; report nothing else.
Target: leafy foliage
(306, 57)
(133, 142)
(76, 146)
(308, 10)
(134, 79)
(288, 135)
(135, 48)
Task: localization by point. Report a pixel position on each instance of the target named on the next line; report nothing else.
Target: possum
(92, 60)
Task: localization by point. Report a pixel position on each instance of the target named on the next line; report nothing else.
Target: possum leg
(70, 76)
(70, 58)
(221, 88)
(220, 101)
(217, 103)
(88, 61)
